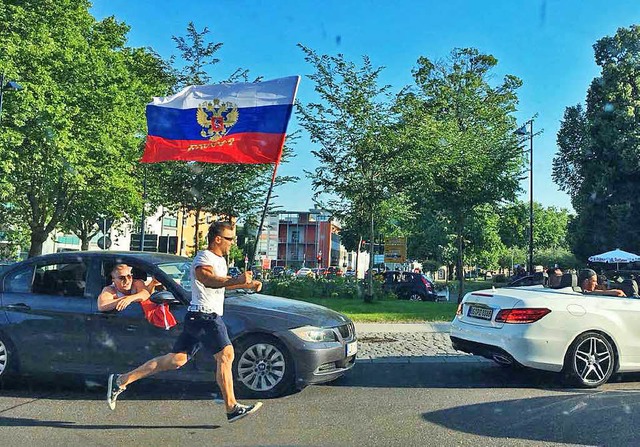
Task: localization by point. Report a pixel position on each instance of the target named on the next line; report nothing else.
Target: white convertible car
(587, 336)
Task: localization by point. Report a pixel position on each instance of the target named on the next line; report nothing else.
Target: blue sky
(546, 43)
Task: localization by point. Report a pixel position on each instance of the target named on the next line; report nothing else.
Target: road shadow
(74, 387)
(604, 418)
(457, 374)
(27, 422)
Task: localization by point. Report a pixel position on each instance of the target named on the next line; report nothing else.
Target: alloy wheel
(593, 361)
(261, 367)
(415, 297)
(3, 357)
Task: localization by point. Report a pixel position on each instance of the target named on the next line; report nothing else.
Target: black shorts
(202, 330)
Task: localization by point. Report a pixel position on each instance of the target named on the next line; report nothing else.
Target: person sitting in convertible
(589, 284)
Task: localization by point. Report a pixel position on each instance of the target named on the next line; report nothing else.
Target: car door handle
(18, 306)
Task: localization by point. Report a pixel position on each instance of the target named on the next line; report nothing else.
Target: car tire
(590, 360)
(262, 367)
(8, 357)
(416, 297)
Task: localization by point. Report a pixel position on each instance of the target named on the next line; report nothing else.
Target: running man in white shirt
(203, 325)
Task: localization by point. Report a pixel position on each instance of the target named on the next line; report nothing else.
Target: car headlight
(315, 334)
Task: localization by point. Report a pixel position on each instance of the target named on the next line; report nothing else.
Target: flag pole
(264, 213)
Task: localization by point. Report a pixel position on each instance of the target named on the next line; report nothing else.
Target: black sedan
(49, 323)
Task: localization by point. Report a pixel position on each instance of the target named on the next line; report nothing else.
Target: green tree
(358, 161)
(80, 99)
(598, 160)
(550, 226)
(461, 129)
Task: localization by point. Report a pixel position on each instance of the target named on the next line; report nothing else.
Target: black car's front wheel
(8, 357)
(262, 367)
(416, 297)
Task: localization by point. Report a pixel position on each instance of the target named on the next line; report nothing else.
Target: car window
(179, 272)
(60, 279)
(20, 280)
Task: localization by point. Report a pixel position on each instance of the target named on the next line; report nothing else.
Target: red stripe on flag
(250, 148)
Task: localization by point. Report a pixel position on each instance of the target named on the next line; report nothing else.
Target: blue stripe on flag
(181, 124)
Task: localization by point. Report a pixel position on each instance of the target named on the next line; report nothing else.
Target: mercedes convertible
(589, 337)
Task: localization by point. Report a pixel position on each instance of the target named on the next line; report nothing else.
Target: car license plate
(352, 348)
(483, 313)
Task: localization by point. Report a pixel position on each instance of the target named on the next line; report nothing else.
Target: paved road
(383, 404)
(411, 388)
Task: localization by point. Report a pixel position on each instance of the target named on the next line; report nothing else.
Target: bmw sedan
(589, 337)
(49, 323)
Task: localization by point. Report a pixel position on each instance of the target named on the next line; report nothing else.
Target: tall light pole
(9, 86)
(522, 131)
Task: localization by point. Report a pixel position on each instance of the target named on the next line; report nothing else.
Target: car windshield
(179, 272)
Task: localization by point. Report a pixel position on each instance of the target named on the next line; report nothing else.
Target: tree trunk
(196, 236)
(358, 256)
(38, 237)
(368, 297)
(459, 266)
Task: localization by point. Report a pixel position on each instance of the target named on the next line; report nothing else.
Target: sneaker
(113, 390)
(240, 411)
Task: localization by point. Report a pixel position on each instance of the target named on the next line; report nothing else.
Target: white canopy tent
(616, 256)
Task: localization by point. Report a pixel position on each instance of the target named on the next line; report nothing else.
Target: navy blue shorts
(202, 330)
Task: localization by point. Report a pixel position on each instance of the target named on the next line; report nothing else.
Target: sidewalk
(426, 342)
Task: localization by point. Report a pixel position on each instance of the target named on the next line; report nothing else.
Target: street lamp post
(522, 131)
(9, 86)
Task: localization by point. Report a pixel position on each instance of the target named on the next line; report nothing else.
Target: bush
(322, 288)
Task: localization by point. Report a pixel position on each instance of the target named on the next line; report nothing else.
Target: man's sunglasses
(230, 239)
(123, 278)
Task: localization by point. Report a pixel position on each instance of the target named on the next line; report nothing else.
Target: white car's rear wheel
(591, 360)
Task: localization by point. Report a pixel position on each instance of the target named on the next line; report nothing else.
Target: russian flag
(223, 123)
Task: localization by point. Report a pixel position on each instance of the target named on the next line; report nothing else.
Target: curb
(453, 358)
(431, 326)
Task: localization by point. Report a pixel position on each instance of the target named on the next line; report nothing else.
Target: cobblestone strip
(402, 347)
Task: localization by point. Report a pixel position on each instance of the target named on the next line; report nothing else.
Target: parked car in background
(333, 271)
(537, 278)
(234, 271)
(49, 323)
(305, 272)
(409, 285)
(277, 271)
(257, 272)
(350, 274)
(319, 272)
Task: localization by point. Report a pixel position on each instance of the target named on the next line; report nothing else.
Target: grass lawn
(388, 311)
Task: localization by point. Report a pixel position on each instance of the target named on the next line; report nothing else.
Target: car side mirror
(163, 297)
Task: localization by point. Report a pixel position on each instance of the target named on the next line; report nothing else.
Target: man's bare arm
(107, 300)
(205, 275)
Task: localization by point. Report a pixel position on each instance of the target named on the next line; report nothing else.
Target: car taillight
(426, 283)
(518, 316)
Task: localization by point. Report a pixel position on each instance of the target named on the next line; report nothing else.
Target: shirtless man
(589, 284)
(123, 291)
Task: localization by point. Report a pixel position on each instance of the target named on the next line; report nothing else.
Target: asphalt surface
(402, 395)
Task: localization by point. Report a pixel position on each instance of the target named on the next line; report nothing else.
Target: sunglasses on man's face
(124, 278)
(230, 239)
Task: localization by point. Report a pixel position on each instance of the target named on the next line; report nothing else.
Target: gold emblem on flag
(216, 118)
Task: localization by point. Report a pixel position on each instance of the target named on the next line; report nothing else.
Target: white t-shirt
(210, 299)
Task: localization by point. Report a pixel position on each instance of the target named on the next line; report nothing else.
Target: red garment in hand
(158, 314)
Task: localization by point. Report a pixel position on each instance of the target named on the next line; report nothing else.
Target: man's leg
(224, 376)
(118, 383)
(173, 360)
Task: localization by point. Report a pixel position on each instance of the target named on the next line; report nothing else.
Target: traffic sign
(104, 242)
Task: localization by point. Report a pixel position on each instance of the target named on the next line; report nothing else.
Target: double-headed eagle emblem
(216, 118)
